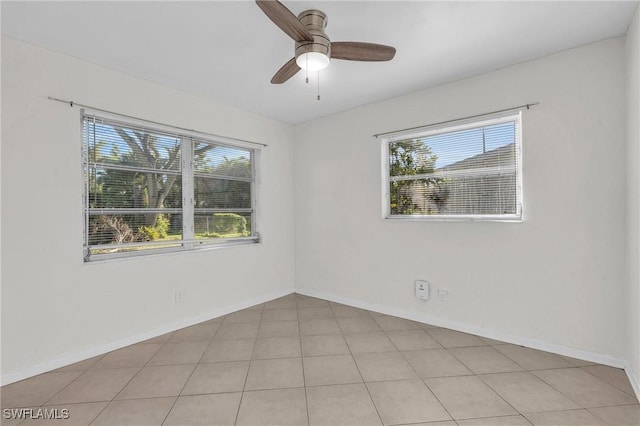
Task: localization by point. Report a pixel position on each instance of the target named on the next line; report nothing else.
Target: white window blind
(470, 170)
(149, 190)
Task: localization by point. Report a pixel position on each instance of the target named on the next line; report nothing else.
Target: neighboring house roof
(502, 156)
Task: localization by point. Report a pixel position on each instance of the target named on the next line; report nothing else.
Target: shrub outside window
(149, 189)
(467, 171)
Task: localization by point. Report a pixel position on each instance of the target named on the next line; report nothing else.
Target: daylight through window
(465, 171)
(150, 189)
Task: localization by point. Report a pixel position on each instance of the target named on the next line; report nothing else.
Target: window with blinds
(464, 171)
(149, 190)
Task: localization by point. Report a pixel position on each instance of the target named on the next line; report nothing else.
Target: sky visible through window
(456, 146)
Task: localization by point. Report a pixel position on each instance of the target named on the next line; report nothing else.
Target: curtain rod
(527, 106)
(72, 104)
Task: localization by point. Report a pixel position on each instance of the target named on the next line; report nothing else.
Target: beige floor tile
(330, 370)
(228, 350)
(250, 316)
(318, 312)
(565, 418)
(427, 326)
(289, 314)
(358, 325)
(241, 330)
(319, 326)
(79, 366)
(78, 415)
(389, 323)
(445, 423)
(277, 347)
(379, 366)
(16, 416)
(163, 338)
(583, 388)
(577, 362)
(275, 374)
(36, 390)
(153, 382)
(532, 359)
(344, 311)
(435, 363)
(467, 397)
(218, 377)
(407, 401)
(310, 302)
(283, 407)
(205, 410)
(94, 386)
(324, 344)
(454, 339)
(369, 342)
(484, 360)
(496, 421)
(179, 353)
(412, 340)
(341, 405)
(492, 341)
(259, 307)
(622, 415)
(614, 376)
(214, 321)
(282, 303)
(194, 333)
(527, 393)
(137, 412)
(131, 356)
(278, 329)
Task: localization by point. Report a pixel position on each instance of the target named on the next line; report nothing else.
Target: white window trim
(185, 245)
(465, 124)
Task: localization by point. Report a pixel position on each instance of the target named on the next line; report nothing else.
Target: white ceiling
(229, 50)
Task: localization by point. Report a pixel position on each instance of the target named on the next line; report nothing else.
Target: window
(465, 171)
(152, 189)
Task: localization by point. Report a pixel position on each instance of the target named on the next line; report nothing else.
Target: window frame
(193, 136)
(450, 127)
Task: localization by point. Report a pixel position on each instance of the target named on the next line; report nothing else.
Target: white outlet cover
(422, 290)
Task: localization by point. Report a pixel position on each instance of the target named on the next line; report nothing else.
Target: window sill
(123, 256)
(455, 218)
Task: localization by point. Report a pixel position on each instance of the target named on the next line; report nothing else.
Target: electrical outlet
(422, 290)
(179, 295)
(443, 295)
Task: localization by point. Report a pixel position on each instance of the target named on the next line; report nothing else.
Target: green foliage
(162, 225)
(229, 223)
(409, 158)
(148, 233)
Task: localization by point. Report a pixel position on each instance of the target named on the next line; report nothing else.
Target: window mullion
(187, 192)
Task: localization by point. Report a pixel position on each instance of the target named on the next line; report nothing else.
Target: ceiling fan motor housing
(315, 21)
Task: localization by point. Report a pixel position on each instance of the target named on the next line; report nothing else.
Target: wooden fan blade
(285, 20)
(287, 71)
(356, 51)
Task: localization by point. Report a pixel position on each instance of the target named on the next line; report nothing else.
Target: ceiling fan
(313, 49)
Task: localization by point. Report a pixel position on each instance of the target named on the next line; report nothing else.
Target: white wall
(558, 278)
(55, 308)
(633, 191)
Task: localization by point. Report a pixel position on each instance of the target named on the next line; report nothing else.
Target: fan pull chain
(306, 69)
(318, 85)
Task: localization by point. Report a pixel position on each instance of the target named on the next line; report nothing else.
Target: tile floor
(298, 360)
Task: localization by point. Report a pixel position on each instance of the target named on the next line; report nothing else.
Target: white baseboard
(118, 344)
(633, 379)
(479, 331)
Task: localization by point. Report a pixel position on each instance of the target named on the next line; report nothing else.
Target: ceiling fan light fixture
(313, 61)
